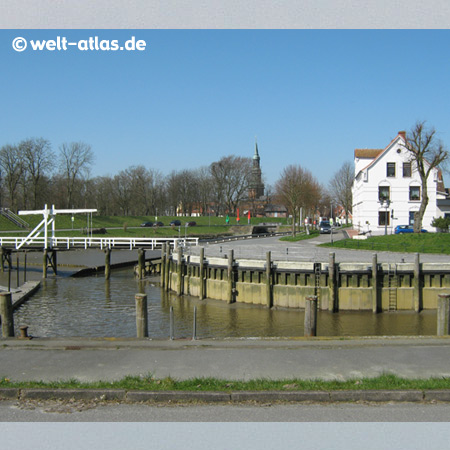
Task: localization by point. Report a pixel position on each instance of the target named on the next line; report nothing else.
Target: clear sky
(309, 96)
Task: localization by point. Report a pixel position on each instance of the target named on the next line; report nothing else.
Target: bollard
(141, 315)
(443, 315)
(194, 333)
(107, 263)
(23, 332)
(311, 316)
(171, 323)
(6, 313)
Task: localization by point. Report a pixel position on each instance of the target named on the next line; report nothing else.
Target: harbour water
(95, 307)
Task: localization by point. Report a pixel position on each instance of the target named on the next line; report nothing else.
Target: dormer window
(390, 169)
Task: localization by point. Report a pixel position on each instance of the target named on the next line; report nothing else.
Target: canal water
(95, 307)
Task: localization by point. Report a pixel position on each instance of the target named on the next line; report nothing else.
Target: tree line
(33, 174)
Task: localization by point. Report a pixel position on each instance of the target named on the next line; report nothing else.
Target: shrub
(441, 224)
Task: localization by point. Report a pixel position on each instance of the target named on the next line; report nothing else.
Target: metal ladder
(317, 276)
(392, 278)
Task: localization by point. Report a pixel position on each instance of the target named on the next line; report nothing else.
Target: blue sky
(310, 96)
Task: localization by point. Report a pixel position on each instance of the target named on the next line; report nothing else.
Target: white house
(387, 189)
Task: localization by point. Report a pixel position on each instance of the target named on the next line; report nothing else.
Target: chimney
(402, 134)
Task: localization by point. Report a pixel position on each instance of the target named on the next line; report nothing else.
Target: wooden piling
(163, 264)
(141, 263)
(17, 269)
(44, 264)
(443, 315)
(311, 316)
(416, 285)
(202, 273)
(269, 297)
(2, 253)
(107, 263)
(141, 315)
(167, 268)
(230, 296)
(6, 314)
(179, 271)
(332, 283)
(376, 307)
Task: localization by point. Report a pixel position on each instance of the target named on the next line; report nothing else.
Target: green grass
(404, 243)
(149, 383)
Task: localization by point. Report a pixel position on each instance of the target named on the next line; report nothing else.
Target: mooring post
(6, 314)
(311, 316)
(163, 264)
(141, 263)
(443, 315)
(44, 264)
(171, 323)
(25, 267)
(269, 298)
(141, 315)
(107, 263)
(194, 332)
(17, 269)
(376, 307)
(332, 283)
(2, 253)
(416, 285)
(230, 276)
(179, 271)
(202, 273)
(167, 268)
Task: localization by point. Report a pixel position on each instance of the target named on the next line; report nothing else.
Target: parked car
(175, 223)
(158, 224)
(324, 228)
(400, 229)
(147, 224)
(191, 224)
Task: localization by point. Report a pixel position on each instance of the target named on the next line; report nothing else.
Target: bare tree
(340, 187)
(426, 153)
(296, 188)
(76, 159)
(12, 166)
(231, 177)
(38, 160)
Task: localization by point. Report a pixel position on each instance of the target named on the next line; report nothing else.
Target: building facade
(387, 189)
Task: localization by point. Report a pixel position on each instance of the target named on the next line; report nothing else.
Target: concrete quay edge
(121, 395)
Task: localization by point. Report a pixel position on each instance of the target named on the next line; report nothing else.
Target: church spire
(256, 155)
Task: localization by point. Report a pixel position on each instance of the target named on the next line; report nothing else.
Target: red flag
(237, 218)
(248, 216)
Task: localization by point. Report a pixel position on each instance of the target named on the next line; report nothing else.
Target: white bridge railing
(94, 242)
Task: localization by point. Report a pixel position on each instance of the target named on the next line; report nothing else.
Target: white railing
(94, 242)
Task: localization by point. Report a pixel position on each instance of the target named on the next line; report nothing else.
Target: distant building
(256, 186)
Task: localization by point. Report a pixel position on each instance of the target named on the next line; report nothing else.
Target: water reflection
(95, 307)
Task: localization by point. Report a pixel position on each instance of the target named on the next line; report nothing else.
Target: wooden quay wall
(339, 286)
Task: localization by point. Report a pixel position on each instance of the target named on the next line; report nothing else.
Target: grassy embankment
(149, 383)
(129, 226)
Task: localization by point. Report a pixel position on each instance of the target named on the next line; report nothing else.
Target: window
(406, 170)
(383, 218)
(414, 193)
(411, 217)
(390, 170)
(383, 193)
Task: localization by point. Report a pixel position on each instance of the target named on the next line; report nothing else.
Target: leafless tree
(296, 188)
(38, 162)
(426, 153)
(231, 176)
(340, 187)
(76, 159)
(12, 166)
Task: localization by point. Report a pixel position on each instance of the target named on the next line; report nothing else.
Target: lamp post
(387, 202)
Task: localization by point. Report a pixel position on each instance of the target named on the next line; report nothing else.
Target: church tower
(256, 187)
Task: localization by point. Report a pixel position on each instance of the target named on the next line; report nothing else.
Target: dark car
(175, 223)
(191, 224)
(147, 224)
(400, 229)
(158, 224)
(324, 228)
